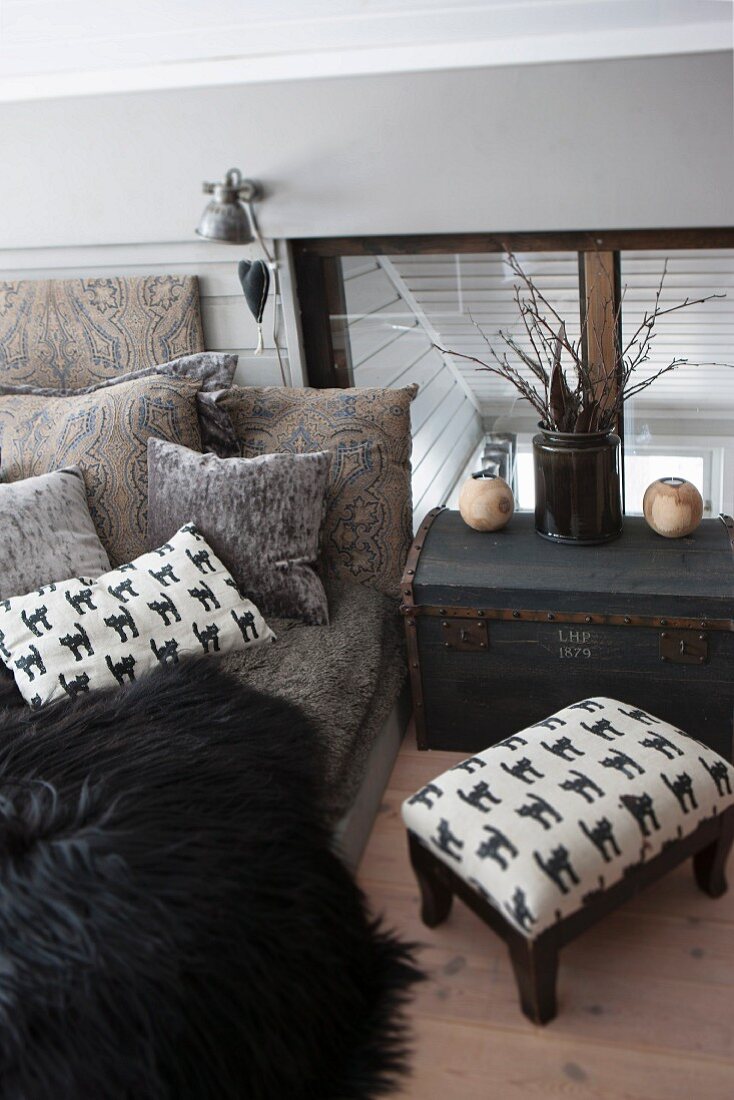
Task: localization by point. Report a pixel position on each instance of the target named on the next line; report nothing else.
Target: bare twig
(593, 398)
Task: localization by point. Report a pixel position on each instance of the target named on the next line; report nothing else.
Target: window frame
(320, 294)
(319, 286)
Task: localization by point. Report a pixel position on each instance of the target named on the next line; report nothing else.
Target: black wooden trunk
(505, 628)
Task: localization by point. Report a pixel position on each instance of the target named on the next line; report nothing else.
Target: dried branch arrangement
(569, 385)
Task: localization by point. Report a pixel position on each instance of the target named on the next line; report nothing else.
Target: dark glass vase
(577, 486)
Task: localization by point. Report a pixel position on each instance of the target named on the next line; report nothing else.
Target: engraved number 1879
(574, 651)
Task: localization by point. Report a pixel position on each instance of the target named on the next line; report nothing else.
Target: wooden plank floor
(646, 999)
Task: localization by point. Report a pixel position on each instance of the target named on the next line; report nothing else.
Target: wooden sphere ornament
(673, 507)
(486, 502)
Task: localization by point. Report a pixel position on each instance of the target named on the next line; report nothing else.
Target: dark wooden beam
(599, 290)
(586, 240)
(337, 307)
(320, 295)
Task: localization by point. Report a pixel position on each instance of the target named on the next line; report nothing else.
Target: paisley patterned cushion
(367, 529)
(106, 435)
(213, 369)
(71, 333)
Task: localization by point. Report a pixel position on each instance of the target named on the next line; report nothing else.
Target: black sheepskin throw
(173, 924)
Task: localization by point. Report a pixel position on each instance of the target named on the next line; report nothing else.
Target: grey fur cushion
(46, 533)
(262, 517)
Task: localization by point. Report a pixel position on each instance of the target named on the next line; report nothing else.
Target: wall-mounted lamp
(228, 216)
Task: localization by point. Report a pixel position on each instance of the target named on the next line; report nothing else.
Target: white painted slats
(367, 292)
(448, 404)
(434, 479)
(228, 324)
(259, 370)
(391, 347)
(454, 290)
(703, 333)
(434, 380)
(352, 266)
(373, 333)
(398, 363)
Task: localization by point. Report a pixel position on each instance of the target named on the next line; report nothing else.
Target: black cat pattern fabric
(81, 635)
(548, 818)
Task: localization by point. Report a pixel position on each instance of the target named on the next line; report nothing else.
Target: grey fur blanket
(346, 677)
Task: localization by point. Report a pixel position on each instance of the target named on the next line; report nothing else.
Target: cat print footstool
(549, 830)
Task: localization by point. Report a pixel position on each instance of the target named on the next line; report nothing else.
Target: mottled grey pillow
(46, 533)
(215, 371)
(262, 516)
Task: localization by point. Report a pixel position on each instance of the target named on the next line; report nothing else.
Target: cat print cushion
(81, 635)
(545, 820)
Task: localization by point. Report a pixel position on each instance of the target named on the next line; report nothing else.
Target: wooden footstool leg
(536, 969)
(436, 895)
(709, 865)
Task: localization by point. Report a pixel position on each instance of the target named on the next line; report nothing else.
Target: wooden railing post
(320, 293)
(599, 291)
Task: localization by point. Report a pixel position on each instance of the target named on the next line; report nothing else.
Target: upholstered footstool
(549, 830)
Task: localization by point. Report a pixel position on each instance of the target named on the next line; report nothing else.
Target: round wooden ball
(673, 507)
(486, 503)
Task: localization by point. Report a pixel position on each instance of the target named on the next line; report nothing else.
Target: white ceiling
(51, 48)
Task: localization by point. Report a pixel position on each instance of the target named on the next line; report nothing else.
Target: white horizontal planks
(437, 473)
(228, 324)
(703, 334)
(409, 355)
(469, 298)
(374, 332)
(391, 348)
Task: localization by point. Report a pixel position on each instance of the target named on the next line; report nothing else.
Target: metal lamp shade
(225, 221)
(225, 218)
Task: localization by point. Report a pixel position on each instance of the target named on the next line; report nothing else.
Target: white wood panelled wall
(228, 324)
(392, 346)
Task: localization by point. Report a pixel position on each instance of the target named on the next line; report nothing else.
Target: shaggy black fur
(9, 694)
(172, 921)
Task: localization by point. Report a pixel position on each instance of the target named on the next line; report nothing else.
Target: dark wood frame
(320, 291)
(535, 961)
(578, 240)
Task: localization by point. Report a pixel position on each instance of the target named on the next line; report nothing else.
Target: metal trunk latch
(684, 647)
(469, 635)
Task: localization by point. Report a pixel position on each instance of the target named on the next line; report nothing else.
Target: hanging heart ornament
(255, 281)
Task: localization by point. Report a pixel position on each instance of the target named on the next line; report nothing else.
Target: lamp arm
(256, 230)
(276, 284)
(249, 191)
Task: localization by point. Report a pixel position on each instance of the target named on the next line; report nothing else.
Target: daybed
(349, 676)
(195, 728)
